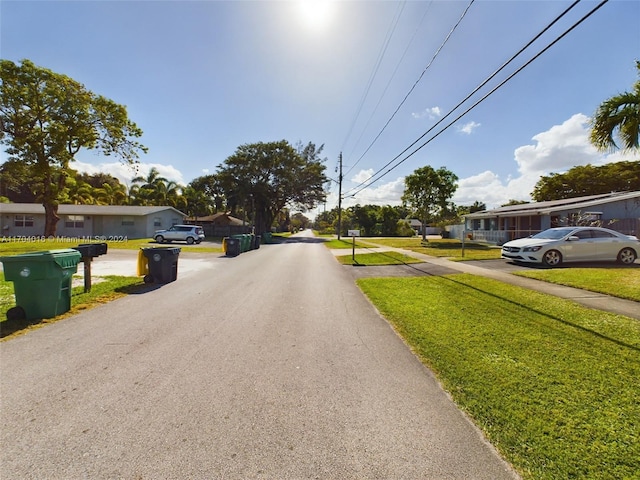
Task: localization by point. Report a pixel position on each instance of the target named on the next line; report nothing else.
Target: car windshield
(553, 234)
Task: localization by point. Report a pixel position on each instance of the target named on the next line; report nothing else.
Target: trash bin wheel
(16, 313)
(147, 279)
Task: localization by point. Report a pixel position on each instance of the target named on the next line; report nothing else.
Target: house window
(127, 221)
(157, 222)
(74, 221)
(23, 221)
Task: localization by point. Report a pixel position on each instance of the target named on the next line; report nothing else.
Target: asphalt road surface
(270, 365)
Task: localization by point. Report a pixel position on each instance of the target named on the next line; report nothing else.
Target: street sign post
(353, 234)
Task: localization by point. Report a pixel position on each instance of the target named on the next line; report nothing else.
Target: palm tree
(619, 115)
(77, 192)
(111, 195)
(147, 192)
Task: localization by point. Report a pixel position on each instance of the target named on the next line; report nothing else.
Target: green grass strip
(377, 258)
(103, 290)
(553, 385)
(449, 248)
(618, 282)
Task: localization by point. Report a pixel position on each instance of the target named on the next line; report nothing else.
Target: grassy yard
(377, 258)
(343, 243)
(36, 245)
(449, 248)
(552, 384)
(618, 282)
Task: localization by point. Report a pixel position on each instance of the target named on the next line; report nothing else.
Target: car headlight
(532, 249)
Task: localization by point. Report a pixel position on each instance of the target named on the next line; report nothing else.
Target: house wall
(94, 227)
(9, 229)
(622, 216)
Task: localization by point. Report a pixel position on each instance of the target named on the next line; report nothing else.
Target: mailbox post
(88, 252)
(353, 234)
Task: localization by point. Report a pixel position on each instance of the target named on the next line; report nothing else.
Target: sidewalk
(593, 300)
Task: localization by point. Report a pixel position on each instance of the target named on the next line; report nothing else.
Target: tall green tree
(428, 192)
(618, 116)
(111, 194)
(148, 189)
(46, 118)
(209, 186)
(16, 182)
(585, 180)
(267, 177)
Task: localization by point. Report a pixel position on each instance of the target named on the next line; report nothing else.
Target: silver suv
(181, 233)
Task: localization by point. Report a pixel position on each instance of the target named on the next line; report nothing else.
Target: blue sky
(201, 78)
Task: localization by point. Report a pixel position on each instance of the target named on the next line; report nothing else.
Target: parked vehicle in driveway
(180, 233)
(573, 244)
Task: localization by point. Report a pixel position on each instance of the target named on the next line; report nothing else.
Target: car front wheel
(627, 256)
(552, 258)
(160, 239)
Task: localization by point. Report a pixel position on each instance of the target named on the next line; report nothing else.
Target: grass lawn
(553, 385)
(377, 258)
(343, 243)
(617, 282)
(450, 248)
(110, 288)
(16, 248)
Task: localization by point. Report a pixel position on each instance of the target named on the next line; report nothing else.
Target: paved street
(269, 365)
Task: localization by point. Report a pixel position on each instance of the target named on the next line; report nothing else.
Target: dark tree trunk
(50, 219)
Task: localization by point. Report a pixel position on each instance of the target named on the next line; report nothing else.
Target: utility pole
(340, 198)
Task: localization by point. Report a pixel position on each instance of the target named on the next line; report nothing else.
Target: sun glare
(315, 14)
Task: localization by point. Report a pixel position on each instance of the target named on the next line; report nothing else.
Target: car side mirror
(573, 238)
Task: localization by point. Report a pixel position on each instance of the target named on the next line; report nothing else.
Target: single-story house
(619, 211)
(417, 226)
(221, 224)
(88, 222)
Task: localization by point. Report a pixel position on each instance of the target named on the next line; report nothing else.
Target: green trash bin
(243, 241)
(41, 282)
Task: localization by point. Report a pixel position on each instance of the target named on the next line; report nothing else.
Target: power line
(435, 55)
(385, 45)
(380, 175)
(400, 60)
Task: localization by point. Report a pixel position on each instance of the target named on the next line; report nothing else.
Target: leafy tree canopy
(429, 191)
(265, 178)
(588, 180)
(46, 118)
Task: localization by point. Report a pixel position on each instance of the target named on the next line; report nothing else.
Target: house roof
(220, 218)
(546, 208)
(132, 210)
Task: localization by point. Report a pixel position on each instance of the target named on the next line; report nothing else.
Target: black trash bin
(233, 247)
(258, 240)
(163, 264)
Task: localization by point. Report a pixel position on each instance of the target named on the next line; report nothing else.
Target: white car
(185, 233)
(573, 244)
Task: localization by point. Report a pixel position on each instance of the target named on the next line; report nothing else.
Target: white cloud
(556, 150)
(125, 173)
(363, 175)
(469, 127)
(431, 113)
(559, 148)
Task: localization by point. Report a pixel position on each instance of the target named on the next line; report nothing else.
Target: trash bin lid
(64, 257)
